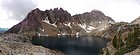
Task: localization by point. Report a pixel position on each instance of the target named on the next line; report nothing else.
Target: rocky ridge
(57, 21)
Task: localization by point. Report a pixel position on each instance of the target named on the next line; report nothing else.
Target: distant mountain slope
(57, 21)
(125, 37)
(95, 21)
(136, 21)
(2, 30)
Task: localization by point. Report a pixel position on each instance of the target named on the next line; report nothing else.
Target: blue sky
(14, 11)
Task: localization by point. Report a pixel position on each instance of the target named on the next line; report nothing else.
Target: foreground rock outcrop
(14, 44)
(25, 49)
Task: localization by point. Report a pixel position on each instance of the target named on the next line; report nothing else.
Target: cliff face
(57, 21)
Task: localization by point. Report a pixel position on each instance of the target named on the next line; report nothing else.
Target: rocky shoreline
(11, 44)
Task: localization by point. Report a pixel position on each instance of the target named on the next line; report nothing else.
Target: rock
(14, 38)
(116, 28)
(136, 21)
(15, 44)
(57, 21)
(25, 49)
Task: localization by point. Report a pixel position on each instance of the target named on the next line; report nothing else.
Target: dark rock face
(30, 23)
(57, 21)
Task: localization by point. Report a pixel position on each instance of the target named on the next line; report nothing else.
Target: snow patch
(87, 28)
(106, 26)
(42, 29)
(39, 34)
(63, 33)
(102, 29)
(58, 34)
(54, 25)
(47, 35)
(82, 26)
(119, 29)
(77, 34)
(48, 22)
(69, 25)
(42, 35)
(111, 22)
(90, 28)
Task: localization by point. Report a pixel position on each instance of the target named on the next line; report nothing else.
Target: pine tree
(115, 41)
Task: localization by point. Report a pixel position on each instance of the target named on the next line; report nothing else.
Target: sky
(14, 11)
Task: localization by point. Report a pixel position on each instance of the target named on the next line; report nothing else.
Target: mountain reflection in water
(72, 45)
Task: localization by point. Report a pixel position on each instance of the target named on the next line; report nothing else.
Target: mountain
(124, 36)
(2, 30)
(136, 21)
(94, 22)
(124, 39)
(116, 28)
(57, 21)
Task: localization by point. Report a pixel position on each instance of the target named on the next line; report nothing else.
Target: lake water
(72, 45)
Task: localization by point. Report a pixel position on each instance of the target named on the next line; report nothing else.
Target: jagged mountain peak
(97, 12)
(58, 21)
(94, 15)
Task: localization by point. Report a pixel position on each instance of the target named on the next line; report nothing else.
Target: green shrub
(117, 42)
(132, 41)
(124, 50)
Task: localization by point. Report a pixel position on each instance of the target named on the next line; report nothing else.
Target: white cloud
(5, 22)
(13, 11)
(17, 9)
(119, 10)
(122, 11)
(8, 23)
